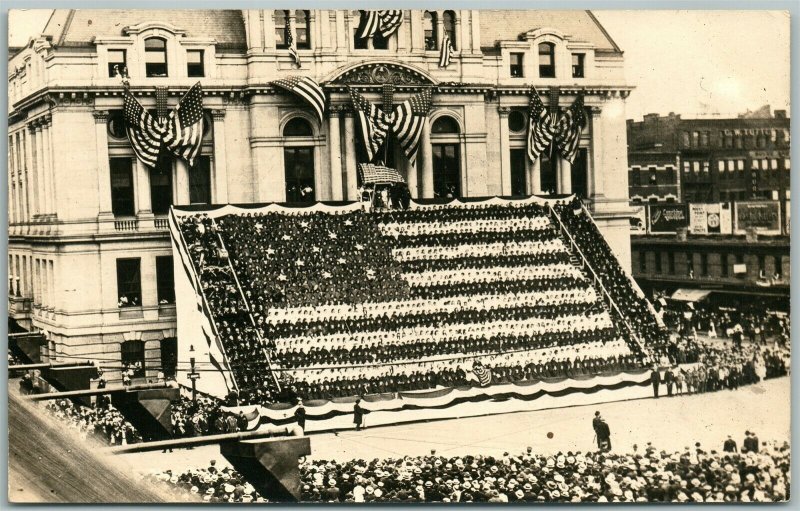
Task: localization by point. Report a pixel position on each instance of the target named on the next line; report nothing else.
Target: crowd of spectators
(204, 417)
(211, 484)
(689, 476)
(100, 421)
(349, 302)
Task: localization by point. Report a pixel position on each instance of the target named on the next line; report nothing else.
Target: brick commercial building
(89, 256)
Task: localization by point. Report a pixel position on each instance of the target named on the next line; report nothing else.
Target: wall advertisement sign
(710, 218)
(667, 218)
(763, 216)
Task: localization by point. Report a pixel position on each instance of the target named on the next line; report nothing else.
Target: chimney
(780, 114)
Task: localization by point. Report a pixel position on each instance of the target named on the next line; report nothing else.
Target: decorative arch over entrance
(381, 72)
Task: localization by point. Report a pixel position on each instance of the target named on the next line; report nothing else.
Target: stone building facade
(89, 254)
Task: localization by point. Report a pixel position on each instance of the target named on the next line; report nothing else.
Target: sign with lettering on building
(710, 218)
(762, 216)
(667, 218)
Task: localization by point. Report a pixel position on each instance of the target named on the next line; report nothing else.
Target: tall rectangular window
(194, 64)
(132, 356)
(165, 281)
(129, 282)
(642, 261)
(516, 65)
(302, 22)
(518, 170)
(155, 57)
(659, 268)
(161, 189)
(121, 186)
(577, 65)
(200, 181)
(671, 263)
(281, 29)
(690, 264)
(299, 174)
(116, 62)
(704, 264)
(547, 60)
(723, 265)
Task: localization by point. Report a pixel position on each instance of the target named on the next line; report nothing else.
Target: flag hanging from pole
(540, 126)
(409, 121)
(374, 123)
(386, 22)
(307, 88)
(184, 128)
(145, 134)
(291, 43)
(446, 52)
(569, 128)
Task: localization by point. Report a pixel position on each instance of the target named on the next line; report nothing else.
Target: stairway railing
(597, 280)
(183, 248)
(247, 307)
(632, 280)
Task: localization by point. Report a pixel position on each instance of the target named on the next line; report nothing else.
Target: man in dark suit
(750, 443)
(669, 381)
(729, 445)
(602, 431)
(358, 415)
(655, 379)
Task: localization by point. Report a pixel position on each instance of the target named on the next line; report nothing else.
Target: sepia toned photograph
(398, 256)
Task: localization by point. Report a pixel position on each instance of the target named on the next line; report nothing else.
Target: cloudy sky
(696, 63)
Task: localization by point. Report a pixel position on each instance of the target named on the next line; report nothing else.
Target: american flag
(446, 52)
(292, 45)
(409, 120)
(145, 134)
(540, 126)
(307, 88)
(569, 128)
(184, 127)
(483, 374)
(374, 123)
(379, 174)
(386, 22)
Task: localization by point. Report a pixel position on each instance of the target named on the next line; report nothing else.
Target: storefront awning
(690, 295)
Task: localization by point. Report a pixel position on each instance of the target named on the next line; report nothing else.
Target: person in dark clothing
(655, 379)
(358, 415)
(750, 443)
(730, 445)
(669, 381)
(300, 415)
(602, 431)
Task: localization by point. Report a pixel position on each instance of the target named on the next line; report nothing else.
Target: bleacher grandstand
(338, 301)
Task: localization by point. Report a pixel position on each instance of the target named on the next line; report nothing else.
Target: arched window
(449, 25)
(302, 28)
(445, 125)
(281, 29)
(547, 60)
(446, 152)
(298, 127)
(429, 26)
(155, 57)
(298, 161)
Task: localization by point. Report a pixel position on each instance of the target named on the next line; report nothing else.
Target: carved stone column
(505, 152)
(220, 179)
(351, 191)
(427, 160)
(103, 169)
(335, 151)
(596, 178)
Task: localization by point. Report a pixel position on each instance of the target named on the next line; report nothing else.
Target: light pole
(193, 375)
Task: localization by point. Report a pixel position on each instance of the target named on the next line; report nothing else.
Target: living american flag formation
(307, 88)
(540, 126)
(184, 128)
(409, 121)
(375, 124)
(385, 22)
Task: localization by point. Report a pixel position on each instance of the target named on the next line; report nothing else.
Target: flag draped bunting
(540, 126)
(569, 128)
(307, 88)
(145, 134)
(564, 129)
(184, 128)
(386, 22)
(446, 51)
(409, 120)
(375, 124)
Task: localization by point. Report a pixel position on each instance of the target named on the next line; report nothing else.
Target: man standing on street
(655, 379)
(729, 445)
(358, 415)
(603, 433)
(300, 415)
(669, 381)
